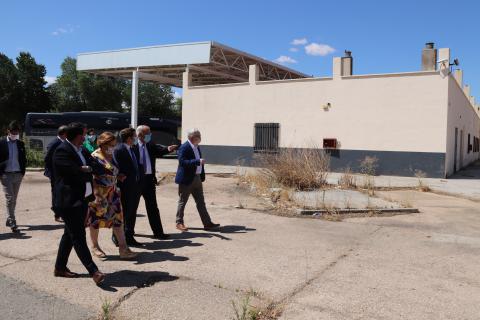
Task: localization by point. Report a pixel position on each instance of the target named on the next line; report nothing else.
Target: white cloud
(285, 60)
(64, 30)
(50, 80)
(293, 49)
(299, 42)
(318, 49)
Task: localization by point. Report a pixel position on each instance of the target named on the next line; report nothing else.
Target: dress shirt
(197, 156)
(12, 165)
(88, 185)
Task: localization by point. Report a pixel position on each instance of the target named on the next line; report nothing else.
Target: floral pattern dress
(106, 210)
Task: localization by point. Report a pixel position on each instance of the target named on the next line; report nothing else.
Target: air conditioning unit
(330, 143)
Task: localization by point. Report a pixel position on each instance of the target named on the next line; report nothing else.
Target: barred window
(266, 137)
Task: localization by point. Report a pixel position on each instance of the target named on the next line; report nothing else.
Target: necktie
(144, 160)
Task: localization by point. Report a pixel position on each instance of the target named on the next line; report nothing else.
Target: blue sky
(384, 36)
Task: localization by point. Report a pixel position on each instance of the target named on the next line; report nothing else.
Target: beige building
(410, 121)
(414, 121)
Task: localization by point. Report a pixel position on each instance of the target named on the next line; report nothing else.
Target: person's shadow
(138, 279)
(42, 227)
(229, 229)
(11, 235)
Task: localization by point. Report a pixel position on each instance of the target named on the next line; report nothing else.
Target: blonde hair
(105, 138)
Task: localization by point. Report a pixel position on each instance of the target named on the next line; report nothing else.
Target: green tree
(79, 91)
(154, 99)
(9, 89)
(31, 79)
(22, 88)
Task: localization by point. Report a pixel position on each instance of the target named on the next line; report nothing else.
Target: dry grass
(420, 175)
(300, 169)
(347, 180)
(368, 167)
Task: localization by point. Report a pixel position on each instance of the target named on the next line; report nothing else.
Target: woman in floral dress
(106, 210)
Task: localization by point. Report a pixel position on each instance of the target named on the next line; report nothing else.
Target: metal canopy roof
(208, 62)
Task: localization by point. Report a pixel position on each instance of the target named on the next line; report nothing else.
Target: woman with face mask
(106, 210)
(90, 141)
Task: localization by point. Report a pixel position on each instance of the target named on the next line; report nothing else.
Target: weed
(420, 175)
(347, 180)
(106, 310)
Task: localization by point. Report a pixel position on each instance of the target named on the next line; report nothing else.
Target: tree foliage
(22, 88)
(79, 91)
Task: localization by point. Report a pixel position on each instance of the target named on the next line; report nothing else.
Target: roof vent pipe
(347, 64)
(429, 57)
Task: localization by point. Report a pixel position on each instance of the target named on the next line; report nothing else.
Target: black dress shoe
(134, 243)
(162, 236)
(64, 273)
(115, 240)
(211, 226)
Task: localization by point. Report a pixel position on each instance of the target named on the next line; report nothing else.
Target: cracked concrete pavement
(418, 266)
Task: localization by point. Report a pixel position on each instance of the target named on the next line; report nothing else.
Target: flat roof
(209, 63)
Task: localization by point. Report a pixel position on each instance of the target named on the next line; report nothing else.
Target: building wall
(400, 118)
(463, 116)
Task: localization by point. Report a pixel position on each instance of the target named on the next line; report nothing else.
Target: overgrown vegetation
(347, 180)
(368, 167)
(34, 157)
(300, 169)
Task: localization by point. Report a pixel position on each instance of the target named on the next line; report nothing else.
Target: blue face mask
(147, 138)
(91, 138)
(135, 142)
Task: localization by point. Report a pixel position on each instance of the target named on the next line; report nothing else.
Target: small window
(266, 137)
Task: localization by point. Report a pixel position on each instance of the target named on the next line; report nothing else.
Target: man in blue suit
(52, 146)
(190, 176)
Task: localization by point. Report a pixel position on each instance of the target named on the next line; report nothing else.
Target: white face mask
(14, 137)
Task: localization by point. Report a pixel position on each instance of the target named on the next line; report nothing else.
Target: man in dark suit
(190, 176)
(72, 169)
(126, 158)
(13, 161)
(52, 146)
(149, 152)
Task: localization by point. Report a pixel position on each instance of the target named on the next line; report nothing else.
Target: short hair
(62, 130)
(91, 130)
(141, 128)
(126, 133)
(193, 133)
(74, 130)
(14, 125)
(105, 138)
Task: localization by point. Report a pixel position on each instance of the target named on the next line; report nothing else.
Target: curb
(348, 211)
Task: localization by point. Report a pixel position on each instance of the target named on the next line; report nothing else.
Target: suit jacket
(125, 164)
(69, 187)
(4, 155)
(187, 165)
(48, 160)
(154, 152)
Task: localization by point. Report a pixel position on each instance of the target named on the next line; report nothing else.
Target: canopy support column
(134, 109)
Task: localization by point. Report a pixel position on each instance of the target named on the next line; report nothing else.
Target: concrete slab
(341, 199)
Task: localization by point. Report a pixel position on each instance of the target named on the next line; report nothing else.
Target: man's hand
(121, 177)
(202, 162)
(172, 147)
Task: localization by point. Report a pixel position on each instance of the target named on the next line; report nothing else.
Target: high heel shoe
(97, 252)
